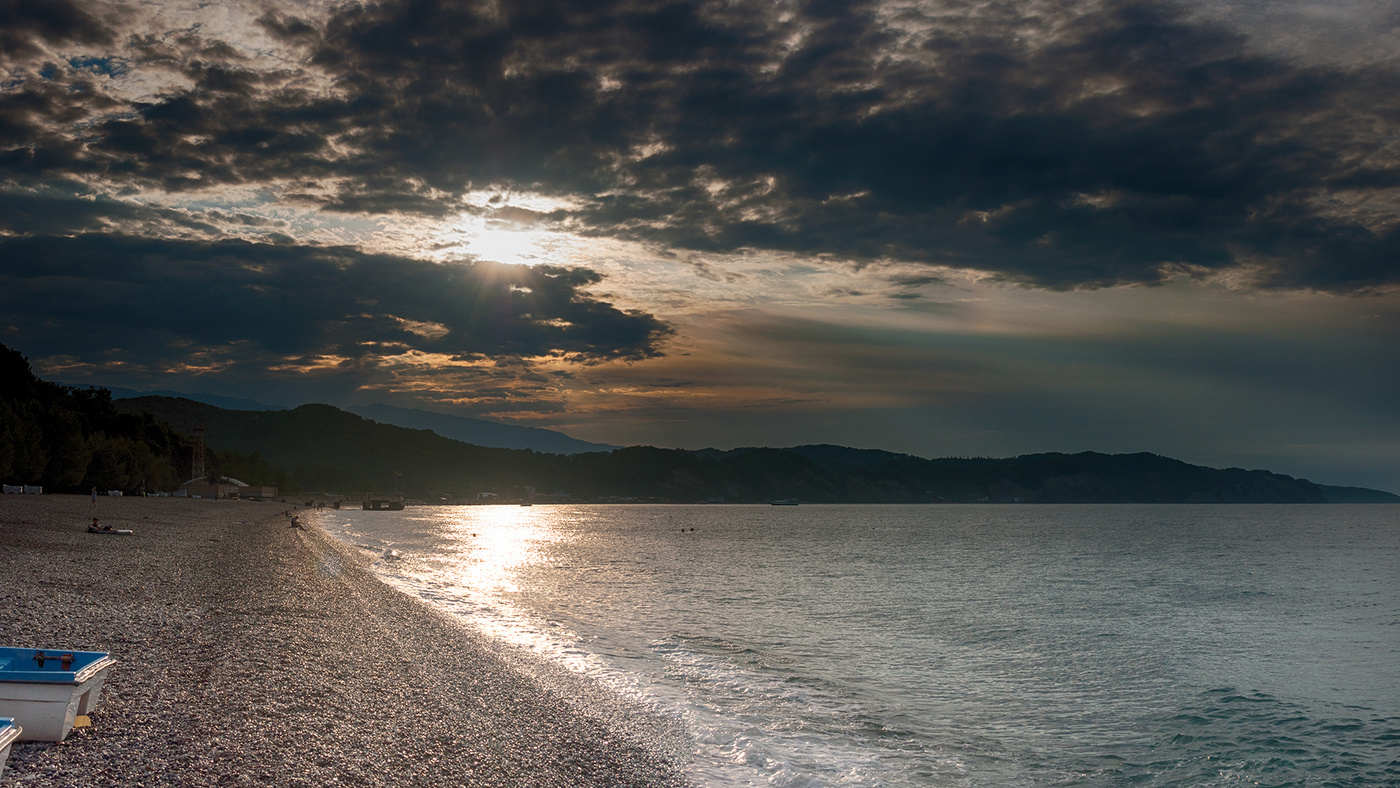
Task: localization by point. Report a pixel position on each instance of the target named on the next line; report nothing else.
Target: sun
(508, 245)
(513, 243)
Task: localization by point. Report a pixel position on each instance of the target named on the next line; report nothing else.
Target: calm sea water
(951, 645)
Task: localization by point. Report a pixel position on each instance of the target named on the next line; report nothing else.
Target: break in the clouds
(1058, 144)
(913, 221)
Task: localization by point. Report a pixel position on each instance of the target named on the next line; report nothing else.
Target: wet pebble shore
(252, 653)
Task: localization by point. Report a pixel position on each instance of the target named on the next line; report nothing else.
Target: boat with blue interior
(46, 690)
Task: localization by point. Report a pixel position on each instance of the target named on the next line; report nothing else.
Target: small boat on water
(45, 690)
(784, 502)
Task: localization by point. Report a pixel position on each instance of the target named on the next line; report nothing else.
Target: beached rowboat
(45, 690)
(9, 731)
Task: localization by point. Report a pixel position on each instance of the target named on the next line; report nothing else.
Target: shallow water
(952, 645)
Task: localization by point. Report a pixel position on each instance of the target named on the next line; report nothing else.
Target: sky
(945, 228)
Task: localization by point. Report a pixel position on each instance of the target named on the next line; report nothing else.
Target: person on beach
(93, 505)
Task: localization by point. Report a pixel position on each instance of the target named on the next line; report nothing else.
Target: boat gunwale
(79, 676)
(9, 732)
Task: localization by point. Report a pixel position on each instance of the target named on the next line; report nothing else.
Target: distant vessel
(784, 502)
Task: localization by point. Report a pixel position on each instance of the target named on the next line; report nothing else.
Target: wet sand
(254, 653)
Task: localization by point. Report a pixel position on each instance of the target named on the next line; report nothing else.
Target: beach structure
(9, 731)
(379, 502)
(225, 487)
(46, 690)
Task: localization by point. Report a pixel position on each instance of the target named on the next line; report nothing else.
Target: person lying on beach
(94, 527)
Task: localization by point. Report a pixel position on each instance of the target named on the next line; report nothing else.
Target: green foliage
(248, 467)
(70, 440)
(22, 450)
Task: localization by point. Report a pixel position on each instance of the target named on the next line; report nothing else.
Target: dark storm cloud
(59, 211)
(167, 300)
(63, 208)
(1124, 146)
(23, 23)
(1067, 146)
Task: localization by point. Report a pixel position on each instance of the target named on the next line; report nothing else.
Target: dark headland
(255, 654)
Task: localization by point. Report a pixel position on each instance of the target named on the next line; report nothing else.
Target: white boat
(45, 690)
(9, 731)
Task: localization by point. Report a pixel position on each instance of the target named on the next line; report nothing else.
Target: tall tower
(197, 462)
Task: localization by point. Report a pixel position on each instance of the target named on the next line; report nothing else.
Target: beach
(253, 652)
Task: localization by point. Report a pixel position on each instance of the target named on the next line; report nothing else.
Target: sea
(947, 645)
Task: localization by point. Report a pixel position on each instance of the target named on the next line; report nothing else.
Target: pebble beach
(253, 652)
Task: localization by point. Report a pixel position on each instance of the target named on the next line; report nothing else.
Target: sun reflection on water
(494, 549)
(483, 564)
(496, 542)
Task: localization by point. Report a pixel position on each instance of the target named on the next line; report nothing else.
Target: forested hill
(70, 440)
(319, 447)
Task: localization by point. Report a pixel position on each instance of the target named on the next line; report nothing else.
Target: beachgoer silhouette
(93, 505)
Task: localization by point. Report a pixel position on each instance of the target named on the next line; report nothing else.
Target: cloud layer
(163, 301)
(1062, 145)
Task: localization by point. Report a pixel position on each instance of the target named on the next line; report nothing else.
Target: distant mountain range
(478, 432)
(71, 439)
(320, 447)
(231, 403)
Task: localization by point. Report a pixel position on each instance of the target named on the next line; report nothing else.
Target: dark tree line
(70, 440)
